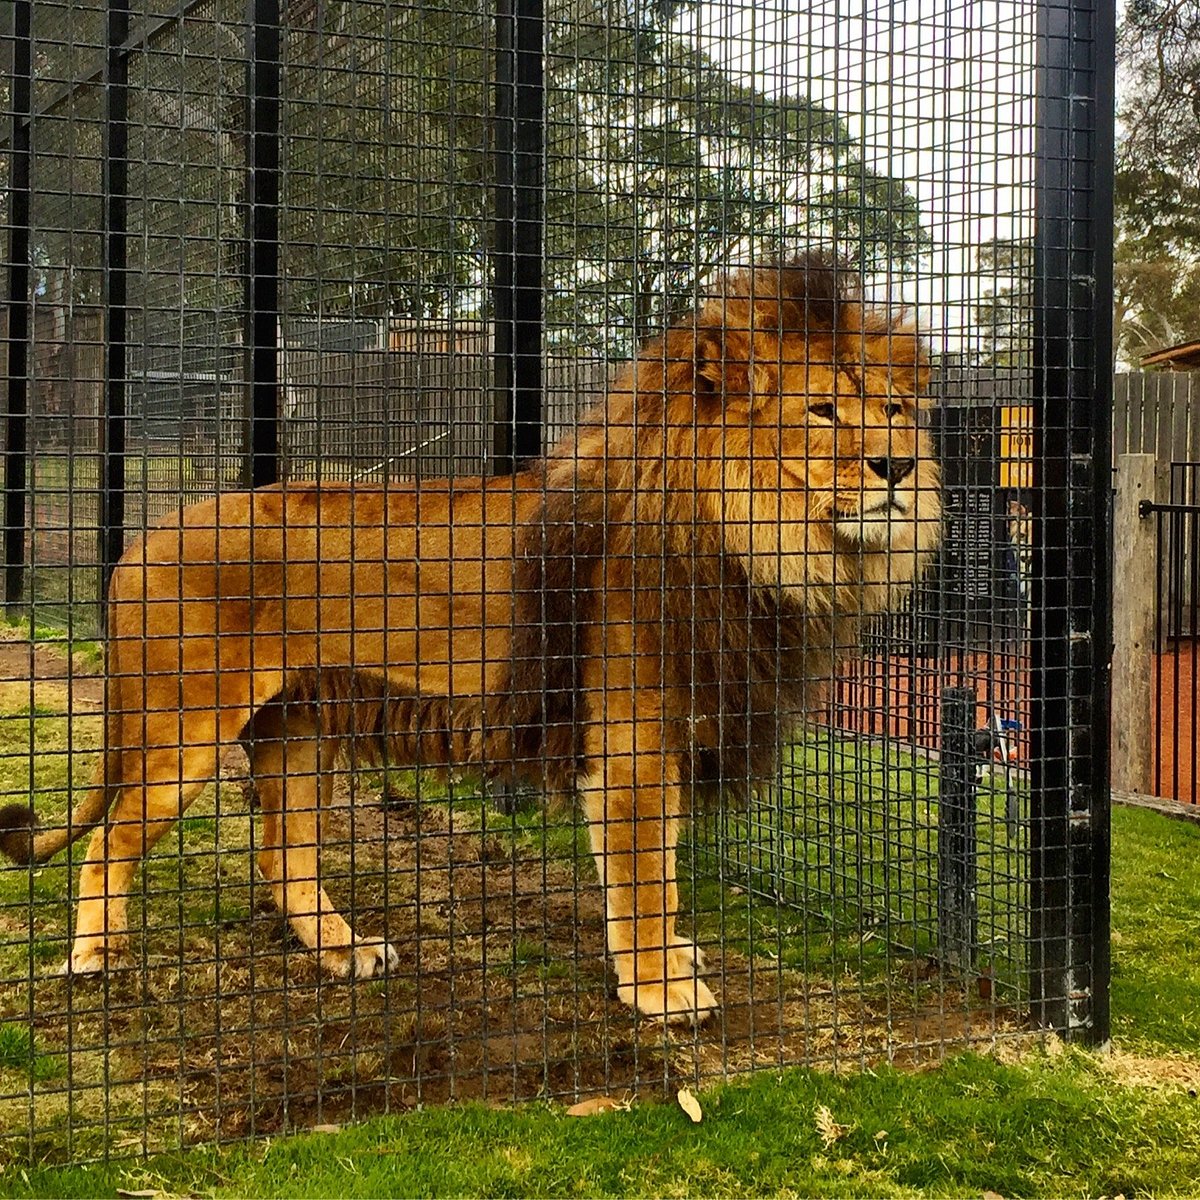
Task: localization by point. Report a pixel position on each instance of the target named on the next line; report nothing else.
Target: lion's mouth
(889, 507)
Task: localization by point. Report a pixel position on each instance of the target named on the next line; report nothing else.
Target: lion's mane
(627, 510)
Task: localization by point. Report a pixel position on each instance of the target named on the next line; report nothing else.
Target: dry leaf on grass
(992, 1196)
(598, 1104)
(325, 1129)
(828, 1128)
(690, 1105)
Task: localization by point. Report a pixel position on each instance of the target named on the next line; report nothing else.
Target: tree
(1157, 196)
(678, 170)
(661, 168)
(1004, 314)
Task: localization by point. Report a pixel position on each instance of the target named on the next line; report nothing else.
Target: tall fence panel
(551, 549)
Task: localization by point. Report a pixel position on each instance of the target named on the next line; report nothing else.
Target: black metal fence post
(115, 218)
(520, 231)
(15, 446)
(958, 922)
(1072, 620)
(263, 77)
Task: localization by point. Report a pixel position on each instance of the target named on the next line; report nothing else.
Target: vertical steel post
(1072, 625)
(261, 335)
(115, 225)
(17, 303)
(517, 289)
(958, 921)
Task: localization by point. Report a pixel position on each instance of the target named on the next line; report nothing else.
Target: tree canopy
(1157, 194)
(661, 169)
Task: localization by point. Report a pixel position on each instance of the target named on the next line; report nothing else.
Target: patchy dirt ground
(47, 674)
(224, 1027)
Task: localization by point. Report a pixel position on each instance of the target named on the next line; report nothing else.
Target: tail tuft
(17, 827)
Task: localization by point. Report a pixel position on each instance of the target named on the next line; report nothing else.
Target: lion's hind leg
(171, 778)
(292, 766)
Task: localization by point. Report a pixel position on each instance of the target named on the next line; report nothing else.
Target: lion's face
(849, 437)
(822, 457)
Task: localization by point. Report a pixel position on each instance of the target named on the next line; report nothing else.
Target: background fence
(377, 242)
(1156, 414)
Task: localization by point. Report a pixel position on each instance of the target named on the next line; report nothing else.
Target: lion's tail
(22, 842)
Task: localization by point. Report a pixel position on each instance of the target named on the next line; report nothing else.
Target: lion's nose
(892, 469)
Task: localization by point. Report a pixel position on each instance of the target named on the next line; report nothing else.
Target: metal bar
(15, 446)
(115, 213)
(1072, 628)
(1147, 508)
(263, 72)
(1159, 645)
(520, 229)
(1094, 844)
(958, 920)
(1185, 703)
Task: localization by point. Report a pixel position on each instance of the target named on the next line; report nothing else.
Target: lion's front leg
(632, 807)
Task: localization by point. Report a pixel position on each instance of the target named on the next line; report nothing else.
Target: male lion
(639, 613)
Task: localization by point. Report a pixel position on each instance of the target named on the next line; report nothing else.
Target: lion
(644, 612)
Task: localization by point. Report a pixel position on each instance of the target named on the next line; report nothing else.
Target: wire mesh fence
(668, 636)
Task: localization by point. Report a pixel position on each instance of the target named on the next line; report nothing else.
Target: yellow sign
(1016, 446)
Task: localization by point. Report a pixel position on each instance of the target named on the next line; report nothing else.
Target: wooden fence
(412, 412)
(1157, 412)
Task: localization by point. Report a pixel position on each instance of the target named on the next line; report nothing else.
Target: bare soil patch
(47, 673)
(224, 1026)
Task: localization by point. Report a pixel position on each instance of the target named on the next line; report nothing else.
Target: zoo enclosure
(384, 241)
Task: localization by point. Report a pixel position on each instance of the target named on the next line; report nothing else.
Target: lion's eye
(895, 410)
(825, 411)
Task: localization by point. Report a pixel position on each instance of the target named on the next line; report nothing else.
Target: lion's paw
(374, 958)
(683, 998)
(367, 959)
(94, 958)
(694, 955)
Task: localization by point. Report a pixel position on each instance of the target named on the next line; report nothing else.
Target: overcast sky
(940, 93)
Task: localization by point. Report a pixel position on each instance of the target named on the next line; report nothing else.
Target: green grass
(1045, 1123)
(43, 754)
(848, 844)
(18, 1055)
(1156, 932)
(1046, 1126)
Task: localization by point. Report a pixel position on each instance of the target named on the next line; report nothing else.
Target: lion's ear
(898, 346)
(723, 361)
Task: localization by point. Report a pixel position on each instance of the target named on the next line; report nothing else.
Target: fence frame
(1071, 636)
(17, 286)
(1072, 428)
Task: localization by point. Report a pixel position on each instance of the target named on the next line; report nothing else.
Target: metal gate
(1177, 596)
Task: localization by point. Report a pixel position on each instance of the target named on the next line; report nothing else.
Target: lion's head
(798, 406)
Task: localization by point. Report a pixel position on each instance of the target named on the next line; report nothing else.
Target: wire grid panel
(644, 624)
